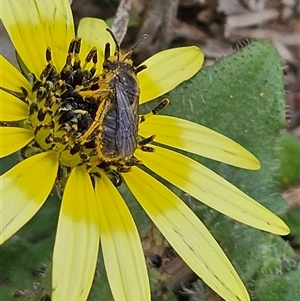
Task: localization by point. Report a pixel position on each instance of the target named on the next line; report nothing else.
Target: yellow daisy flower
(46, 111)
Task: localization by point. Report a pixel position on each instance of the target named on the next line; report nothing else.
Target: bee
(116, 92)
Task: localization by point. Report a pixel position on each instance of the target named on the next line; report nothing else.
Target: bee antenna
(139, 42)
(115, 40)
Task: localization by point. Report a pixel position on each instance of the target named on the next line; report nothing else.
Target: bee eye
(109, 65)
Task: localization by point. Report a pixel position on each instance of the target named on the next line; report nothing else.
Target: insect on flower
(116, 93)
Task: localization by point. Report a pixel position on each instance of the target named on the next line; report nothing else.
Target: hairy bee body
(118, 136)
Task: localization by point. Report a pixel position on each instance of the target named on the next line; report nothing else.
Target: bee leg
(115, 177)
(147, 149)
(146, 141)
(142, 144)
(133, 162)
(85, 137)
(155, 110)
(124, 168)
(140, 68)
(97, 119)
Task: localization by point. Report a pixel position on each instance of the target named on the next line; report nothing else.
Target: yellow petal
(198, 139)
(11, 78)
(211, 189)
(24, 188)
(167, 69)
(34, 25)
(187, 234)
(77, 240)
(93, 33)
(13, 139)
(122, 251)
(12, 108)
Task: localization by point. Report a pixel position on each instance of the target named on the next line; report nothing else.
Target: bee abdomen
(108, 134)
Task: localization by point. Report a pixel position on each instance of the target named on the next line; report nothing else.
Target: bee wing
(127, 119)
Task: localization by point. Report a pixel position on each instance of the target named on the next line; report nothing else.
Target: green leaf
(291, 218)
(289, 172)
(278, 287)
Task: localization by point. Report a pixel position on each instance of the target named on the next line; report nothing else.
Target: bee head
(118, 57)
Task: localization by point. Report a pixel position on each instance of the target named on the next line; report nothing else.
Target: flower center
(58, 113)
